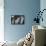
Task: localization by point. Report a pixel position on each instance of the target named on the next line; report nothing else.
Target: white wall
(1, 20)
(43, 6)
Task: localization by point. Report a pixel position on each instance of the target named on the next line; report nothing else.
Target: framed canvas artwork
(17, 19)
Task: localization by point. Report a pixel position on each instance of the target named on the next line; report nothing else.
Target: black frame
(17, 19)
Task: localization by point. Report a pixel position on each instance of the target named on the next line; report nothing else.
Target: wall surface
(1, 20)
(43, 6)
(19, 7)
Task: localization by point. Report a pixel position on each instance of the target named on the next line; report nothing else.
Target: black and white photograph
(17, 19)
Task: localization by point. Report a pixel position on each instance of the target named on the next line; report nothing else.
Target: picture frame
(17, 19)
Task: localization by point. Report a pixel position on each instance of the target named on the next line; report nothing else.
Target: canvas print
(17, 19)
